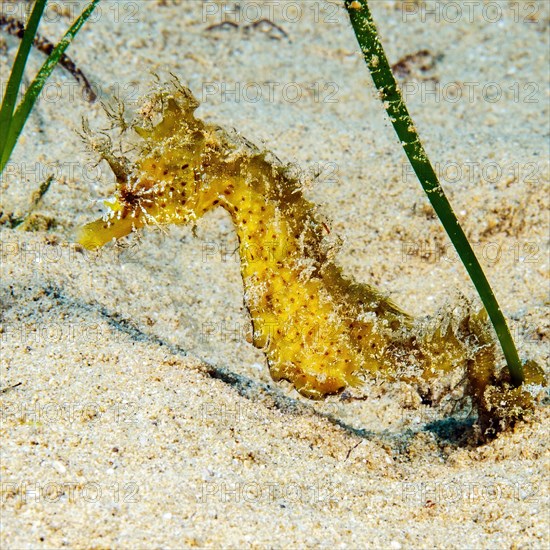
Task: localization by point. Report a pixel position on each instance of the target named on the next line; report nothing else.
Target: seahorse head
(167, 182)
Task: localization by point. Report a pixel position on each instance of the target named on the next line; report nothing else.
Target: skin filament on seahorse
(319, 329)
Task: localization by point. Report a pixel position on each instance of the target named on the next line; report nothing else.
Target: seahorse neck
(276, 225)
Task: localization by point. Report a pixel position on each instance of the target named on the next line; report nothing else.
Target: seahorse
(319, 329)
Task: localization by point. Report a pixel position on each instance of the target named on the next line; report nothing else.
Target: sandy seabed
(142, 418)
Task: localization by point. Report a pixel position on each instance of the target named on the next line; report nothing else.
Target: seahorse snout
(114, 224)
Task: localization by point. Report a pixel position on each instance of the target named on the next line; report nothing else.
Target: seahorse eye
(128, 195)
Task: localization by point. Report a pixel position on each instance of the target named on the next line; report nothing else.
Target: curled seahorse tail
(499, 404)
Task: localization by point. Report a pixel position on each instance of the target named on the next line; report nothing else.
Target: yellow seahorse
(320, 330)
